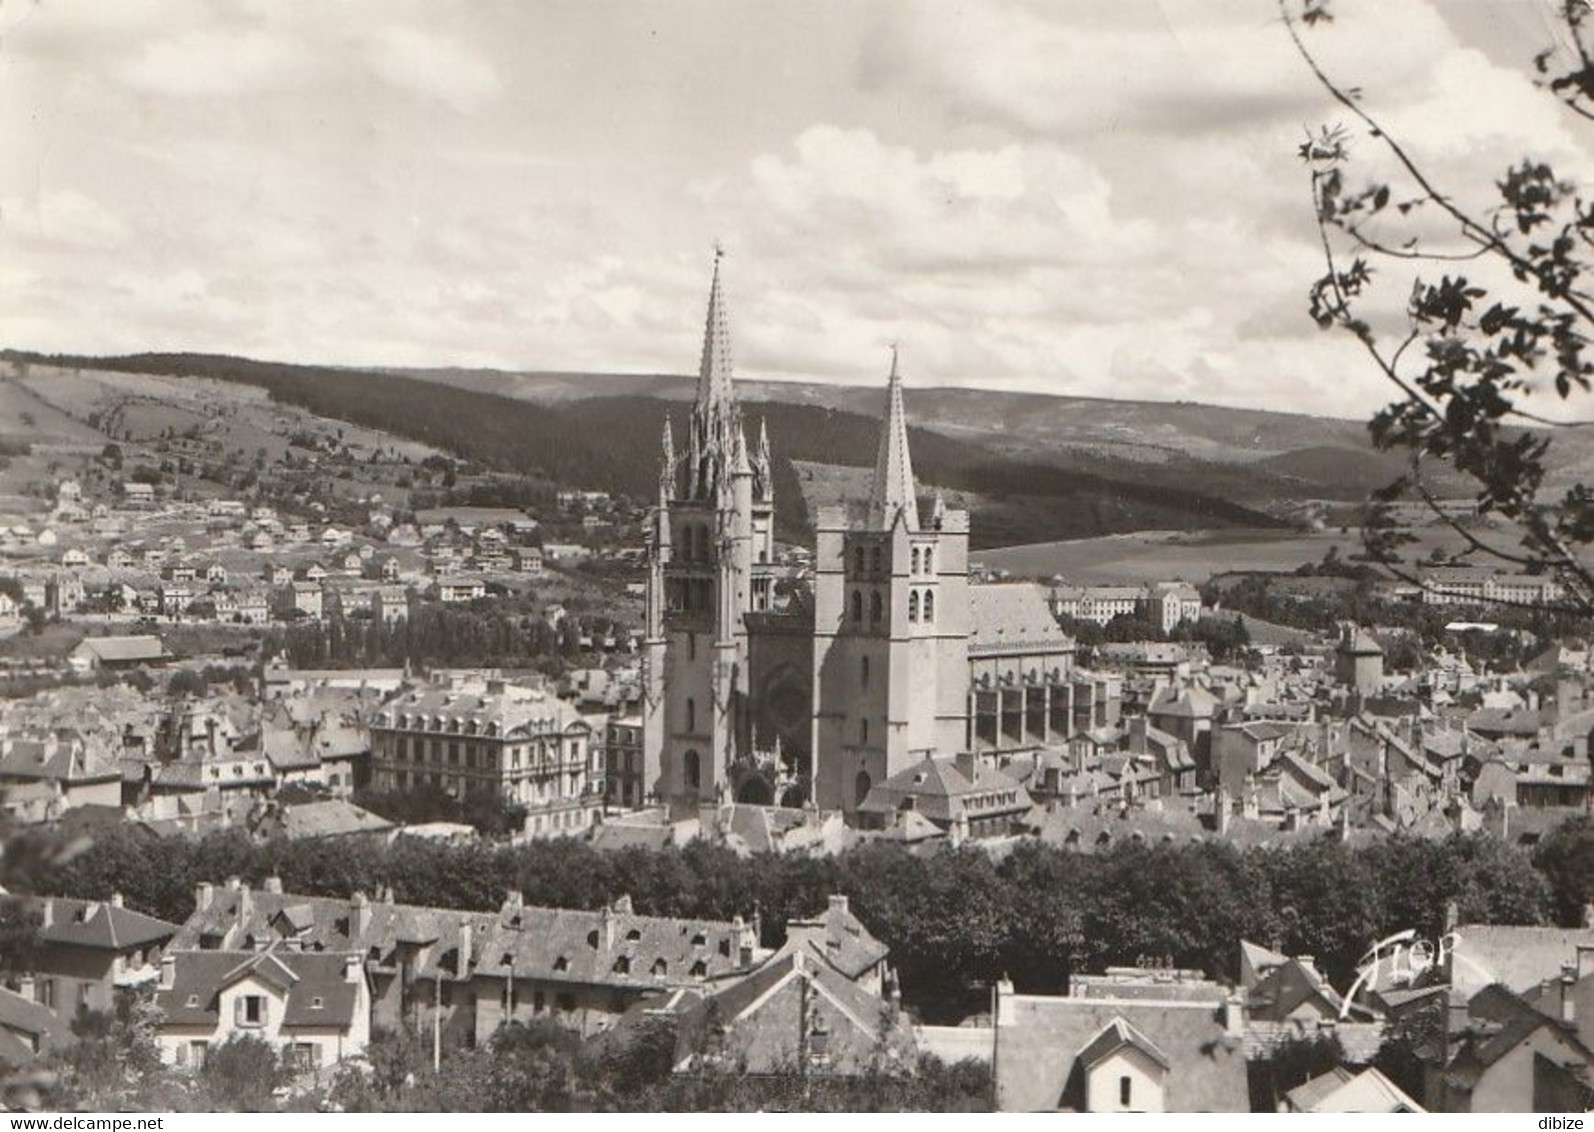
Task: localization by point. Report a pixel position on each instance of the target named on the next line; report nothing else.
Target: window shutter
(238, 1016)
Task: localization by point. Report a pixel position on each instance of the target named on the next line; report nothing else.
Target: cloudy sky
(1098, 197)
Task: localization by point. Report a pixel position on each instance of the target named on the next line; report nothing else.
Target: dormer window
(561, 964)
(699, 969)
(318, 1003)
(592, 939)
(660, 968)
(699, 940)
(193, 1000)
(634, 934)
(622, 965)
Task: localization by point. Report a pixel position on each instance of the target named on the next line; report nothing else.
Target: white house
(314, 1007)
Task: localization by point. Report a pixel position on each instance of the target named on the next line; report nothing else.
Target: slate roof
(838, 937)
(535, 939)
(1013, 614)
(1340, 1090)
(1039, 1067)
(61, 756)
(305, 977)
(97, 923)
(23, 1018)
(1518, 957)
(940, 790)
(333, 817)
(1499, 1021)
(1114, 1037)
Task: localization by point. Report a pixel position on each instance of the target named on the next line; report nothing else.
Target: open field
(1166, 555)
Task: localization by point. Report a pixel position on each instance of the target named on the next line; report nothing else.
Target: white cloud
(205, 62)
(427, 64)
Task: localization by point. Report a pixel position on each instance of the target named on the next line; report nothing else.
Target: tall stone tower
(891, 629)
(714, 524)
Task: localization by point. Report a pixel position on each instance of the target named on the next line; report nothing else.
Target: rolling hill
(611, 443)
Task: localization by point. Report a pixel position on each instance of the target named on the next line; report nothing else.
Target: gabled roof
(1114, 1036)
(1340, 1090)
(123, 649)
(838, 937)
(1042, 1038)
(315, 984)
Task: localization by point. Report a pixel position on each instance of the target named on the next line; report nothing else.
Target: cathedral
(820, 688)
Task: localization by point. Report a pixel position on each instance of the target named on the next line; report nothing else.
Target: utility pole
(437, 1024)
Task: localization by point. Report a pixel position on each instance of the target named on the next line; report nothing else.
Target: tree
(242, 1074)
(1507, 318)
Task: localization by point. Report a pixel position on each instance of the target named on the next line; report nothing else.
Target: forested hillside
(612, 444)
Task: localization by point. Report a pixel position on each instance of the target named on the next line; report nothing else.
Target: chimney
(352, 972)
(1585, 960)
(1234, 1014)
(116, 900)
(1452, 916)
(747, 943)
(168, 972)
(965, 764)
(1568, 995)
(47, 913)
(246, 904)
(25, 987)
(203, 892)
(606, 920)
(1588, 915)
(466, 955)
(274, 885)
(359, 917)
(838, 903)
(622, 904)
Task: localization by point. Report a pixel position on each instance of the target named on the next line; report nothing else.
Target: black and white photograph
(752, 556)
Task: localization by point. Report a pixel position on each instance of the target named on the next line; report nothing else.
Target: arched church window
(691, 714)
(694, 775)
(857, 560)
(863, 672)
(874, 560)
(929, 605)
(929, 560)
(874, 606)
(915, 560)
(913, 605)
(861, 786)
(863, 732)
(857, 605)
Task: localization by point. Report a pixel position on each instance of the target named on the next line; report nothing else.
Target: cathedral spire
(667, 464)
(763, 464)
(893, 491)
(714, 372)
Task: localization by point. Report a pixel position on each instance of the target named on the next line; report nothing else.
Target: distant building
(94, 654)
(468, 732)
